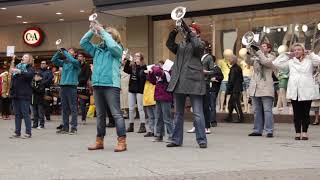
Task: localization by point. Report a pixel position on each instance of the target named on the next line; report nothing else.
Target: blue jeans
(163, 118)
(69, 104)
(262, 107)
(108, 96)
(83, 107)
(21, 109)
(38, 115)
(151, 111)
(198, 118)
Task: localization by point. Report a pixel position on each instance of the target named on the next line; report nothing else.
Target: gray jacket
(261, 83)
(187, 71)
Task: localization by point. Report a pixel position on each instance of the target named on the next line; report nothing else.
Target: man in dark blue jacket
(47, 77)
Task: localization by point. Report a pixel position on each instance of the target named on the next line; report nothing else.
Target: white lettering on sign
(32, 36)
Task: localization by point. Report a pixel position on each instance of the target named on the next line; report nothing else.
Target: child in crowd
(37, 101)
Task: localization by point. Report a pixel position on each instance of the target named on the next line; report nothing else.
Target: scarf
(22, 67)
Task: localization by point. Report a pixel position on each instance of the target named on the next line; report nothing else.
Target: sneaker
(73, 132)
(208, 131)
(15, 136)
(149, 134)
(255, 134)
(173, 145)
(40, 127)
(34, 126)
(60, 126)
(192, 130)
(203, 146)
(158, 139)
(26, 136)
(269, 135)
(62, 131)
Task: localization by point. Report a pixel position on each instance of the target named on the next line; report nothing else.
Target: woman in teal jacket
(106, 82)
(68, 84)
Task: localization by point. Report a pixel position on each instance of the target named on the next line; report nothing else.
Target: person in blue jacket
(106, 82)
(68, 84)
(21, 93)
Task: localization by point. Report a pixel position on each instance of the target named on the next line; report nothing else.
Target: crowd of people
(122, 86)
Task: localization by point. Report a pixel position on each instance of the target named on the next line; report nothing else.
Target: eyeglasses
(43, 63)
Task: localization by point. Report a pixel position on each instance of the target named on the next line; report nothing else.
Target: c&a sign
(33, 36)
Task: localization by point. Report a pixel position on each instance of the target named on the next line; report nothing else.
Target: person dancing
(302, 88)
(106, 82)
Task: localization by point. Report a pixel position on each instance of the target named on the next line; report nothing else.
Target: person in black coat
(234, 88)
(37, 101)
(21, 92)
(136, 87)
(47, 78)
(83, 77)
(188, 80)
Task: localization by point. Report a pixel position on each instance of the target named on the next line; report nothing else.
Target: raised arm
(281, 62)
(86, 44)
(197, 45)
(315, 59)
(56, 59)
(171, 44)
(112, 45)
(73, 61)
(265, 61)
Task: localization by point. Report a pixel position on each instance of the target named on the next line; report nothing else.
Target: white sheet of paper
(10, 51)
(167, 65)
(149, 67)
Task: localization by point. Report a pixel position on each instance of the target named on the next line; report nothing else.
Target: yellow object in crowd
(225, 68)
(148, 94)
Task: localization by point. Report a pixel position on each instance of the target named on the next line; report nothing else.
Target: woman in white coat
(302, 88)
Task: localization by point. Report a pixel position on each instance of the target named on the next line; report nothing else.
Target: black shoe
(130, 128)
(305, 138)
(298, 138)
(255, 134)
(62, 131)
(34, 126)
(149, 134)
(173, 145)
(60, 126)
(158, 139)
(269, 135)
(142, 128)
(203, 146)
(73, 132)
(214, 124)
(110, 125)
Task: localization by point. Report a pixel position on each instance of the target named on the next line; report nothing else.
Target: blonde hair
(31, 59)
(298, 45)
(115, 34)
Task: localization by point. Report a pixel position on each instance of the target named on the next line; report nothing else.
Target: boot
(98, 145)
(130, 128)
(142, 128)
(122, 145)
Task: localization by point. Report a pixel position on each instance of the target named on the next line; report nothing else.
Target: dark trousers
(83, 108)
(234, 103)
(69, 105)
(5, 107)
(301, 117)
(21, 109)
(47, 109)
(209, 107)
(38, 115)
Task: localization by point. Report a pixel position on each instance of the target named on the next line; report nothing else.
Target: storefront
(276, 26)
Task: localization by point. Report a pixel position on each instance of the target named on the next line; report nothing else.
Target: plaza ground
(231, 154)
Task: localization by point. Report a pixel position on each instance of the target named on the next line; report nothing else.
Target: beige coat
(261, 85)
(124, 89)
(301, 83)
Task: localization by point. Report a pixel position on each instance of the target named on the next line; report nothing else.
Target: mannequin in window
(283, 77)
(225, 68)
(247, 71)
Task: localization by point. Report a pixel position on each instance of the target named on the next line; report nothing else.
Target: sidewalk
(231, 154)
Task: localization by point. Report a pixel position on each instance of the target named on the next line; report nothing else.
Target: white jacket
(301, 83)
